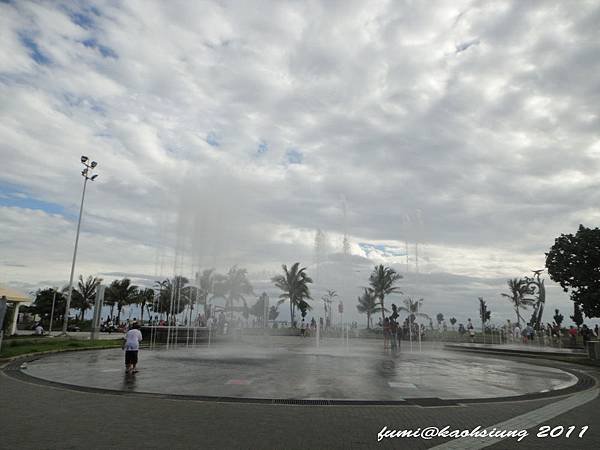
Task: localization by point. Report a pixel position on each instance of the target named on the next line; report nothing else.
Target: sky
(228, 133)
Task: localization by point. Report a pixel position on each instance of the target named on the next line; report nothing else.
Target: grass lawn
(15, 347)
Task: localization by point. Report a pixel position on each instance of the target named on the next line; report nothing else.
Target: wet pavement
(292, 368)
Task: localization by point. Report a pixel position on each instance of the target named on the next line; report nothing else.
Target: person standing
(471, 330)
(39, 329)
(393, 327)
(131, 347)
(386, 332)
(517, 333)
(529, 333)
(573, 335)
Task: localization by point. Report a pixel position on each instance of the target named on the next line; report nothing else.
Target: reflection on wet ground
(290, 367)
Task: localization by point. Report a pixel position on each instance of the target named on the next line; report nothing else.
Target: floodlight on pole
(85, 173)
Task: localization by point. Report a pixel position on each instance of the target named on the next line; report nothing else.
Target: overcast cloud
(227, 132)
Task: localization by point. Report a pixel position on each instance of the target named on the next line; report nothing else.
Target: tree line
(168, 297)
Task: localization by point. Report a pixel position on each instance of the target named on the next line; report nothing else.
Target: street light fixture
(85, 173)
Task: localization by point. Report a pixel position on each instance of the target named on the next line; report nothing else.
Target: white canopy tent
(18, 299)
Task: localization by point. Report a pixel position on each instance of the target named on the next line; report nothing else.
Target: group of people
(546, 333)
(393, 332)
(585, 332)
(552, 333)
(111, 325)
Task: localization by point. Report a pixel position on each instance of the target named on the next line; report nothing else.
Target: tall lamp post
(52, 312)
(86, 173)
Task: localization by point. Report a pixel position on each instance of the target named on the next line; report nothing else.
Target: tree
(327, 301)
(236, 286)
(121, 293)
(205, 283)
(558, 318)
(304, 307)
(440, 319)
(368, 304)
(170, 298)
(161, 286)
(382, 281)
(573, 262)
(42, 305)
(577, 316)
(273, 312)
(145, 298)
(452, 322)
(294, 284)
(484, 313)
(518, 290)
(84, 294)
(537, 288)
(258, 309)
(413, 307)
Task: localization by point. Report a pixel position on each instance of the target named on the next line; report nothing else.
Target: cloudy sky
(228, 132)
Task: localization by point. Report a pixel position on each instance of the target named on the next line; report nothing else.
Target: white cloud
(496, 144)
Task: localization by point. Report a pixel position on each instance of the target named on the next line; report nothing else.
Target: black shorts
(131, 357)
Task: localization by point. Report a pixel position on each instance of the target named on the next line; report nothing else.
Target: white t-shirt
(517, 332)
(133, 339)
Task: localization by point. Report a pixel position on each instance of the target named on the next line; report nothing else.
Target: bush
(83, 325)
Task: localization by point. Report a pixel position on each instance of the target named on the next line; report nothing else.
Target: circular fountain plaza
(293, 369)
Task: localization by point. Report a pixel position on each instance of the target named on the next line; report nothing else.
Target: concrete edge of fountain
(584, 382)
(527, 352)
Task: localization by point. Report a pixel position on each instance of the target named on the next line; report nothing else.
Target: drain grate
(299, 401)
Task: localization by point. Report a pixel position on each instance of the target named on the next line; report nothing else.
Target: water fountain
(185, 359)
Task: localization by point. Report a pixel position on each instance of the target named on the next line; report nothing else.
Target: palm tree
(205, 283)
(85, 293)
(189, 294)
(382, 282)
(294, 284)
(327, 301)
(367, 304)
(236, 286)
(452, 322)
(518, 290)
(161, 286)
(484, 314)
(273, 312)
(144, 298)
(413, 307)
(121, 293)
(171, 299)
(304, 307)
(258, 309)
(440, 319)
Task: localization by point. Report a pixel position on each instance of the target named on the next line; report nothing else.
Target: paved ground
(39, 416)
